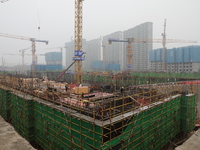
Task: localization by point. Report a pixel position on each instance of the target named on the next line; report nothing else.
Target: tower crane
(23, 50)
(103, 50)
(78, 42)
(2, 1)
(78, 53)
(130, 40)
(164, 47)
(33, 40)
(128, 48)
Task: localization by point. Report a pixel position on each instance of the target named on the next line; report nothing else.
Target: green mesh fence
(58, 130)
(22, 115)
(137, 78)
(5, 104)
(150, 129)
(188, 112)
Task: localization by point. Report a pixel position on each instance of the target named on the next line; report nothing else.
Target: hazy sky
(100, 17)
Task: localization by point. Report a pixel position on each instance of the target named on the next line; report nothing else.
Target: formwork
(145, 117)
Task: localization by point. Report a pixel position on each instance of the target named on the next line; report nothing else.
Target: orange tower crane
(33, 40)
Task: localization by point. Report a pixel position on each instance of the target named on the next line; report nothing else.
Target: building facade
(53, 58)
(93, 55)
(100, 55)
(182, 59)
(113, 53)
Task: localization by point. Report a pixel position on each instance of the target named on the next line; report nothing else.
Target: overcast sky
(100, 17)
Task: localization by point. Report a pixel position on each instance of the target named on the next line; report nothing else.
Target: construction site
(113, 101)
(58, 115)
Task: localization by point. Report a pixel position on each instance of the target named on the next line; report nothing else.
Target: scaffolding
(140, 116)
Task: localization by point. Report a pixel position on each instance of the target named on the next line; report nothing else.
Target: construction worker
(86, 103)
(82, 95)
(122, 89)
(66, 86)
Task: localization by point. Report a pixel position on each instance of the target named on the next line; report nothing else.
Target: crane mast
(129, 52)
(78, 42)
(129, 56)
(164, 48)
(33, 60)
(23, 50)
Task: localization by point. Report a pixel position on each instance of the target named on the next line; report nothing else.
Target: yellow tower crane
(129, 46)
(78, 42)
(33, 40)
(78, 53)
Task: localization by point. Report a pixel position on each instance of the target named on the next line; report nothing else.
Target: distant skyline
(100, 18)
